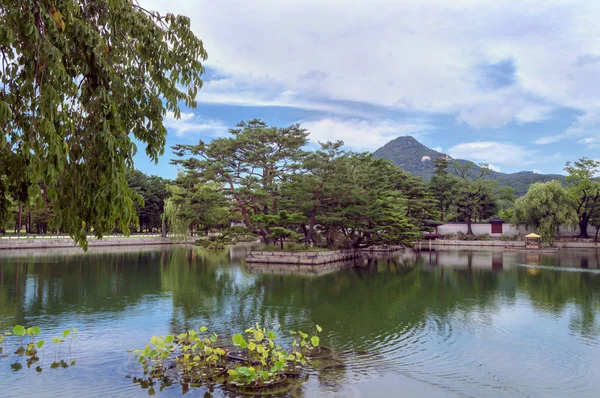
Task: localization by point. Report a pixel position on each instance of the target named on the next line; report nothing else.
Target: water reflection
(473, 322)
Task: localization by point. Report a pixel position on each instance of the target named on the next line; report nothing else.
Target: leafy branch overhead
(80, 81)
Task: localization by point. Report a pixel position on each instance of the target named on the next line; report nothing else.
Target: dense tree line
(466, 195)
(150, 194)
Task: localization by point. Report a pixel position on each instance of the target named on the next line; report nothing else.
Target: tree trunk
(596, 237)
(583, 224)
(164, 227)
(469, 229)
(20, 220)
(281, 243)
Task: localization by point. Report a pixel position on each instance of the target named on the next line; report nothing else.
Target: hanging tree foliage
(78, 80)
(546, 206)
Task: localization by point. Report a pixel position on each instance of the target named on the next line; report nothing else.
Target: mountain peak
(416, 158)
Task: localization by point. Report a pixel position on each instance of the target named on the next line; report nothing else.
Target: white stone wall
(507, 229)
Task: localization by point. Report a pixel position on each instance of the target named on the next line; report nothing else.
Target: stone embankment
(314, 258)
(46, 243)
(498, 243)
(307, 258)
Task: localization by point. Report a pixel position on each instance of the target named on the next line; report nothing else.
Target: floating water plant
(29, 347)
(262, 363)
(257, 364)
(187, 357)
(310, 347)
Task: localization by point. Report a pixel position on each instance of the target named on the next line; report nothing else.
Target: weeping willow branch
(177, 225)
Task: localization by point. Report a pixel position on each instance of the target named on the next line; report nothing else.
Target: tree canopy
(584, 190)
(79, 81)
(249, 166)
(328, 197)
(546, 206)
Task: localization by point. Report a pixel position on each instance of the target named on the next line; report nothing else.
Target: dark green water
(446, 323)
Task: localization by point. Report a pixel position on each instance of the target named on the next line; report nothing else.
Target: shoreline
(47, 243)
(501, 244)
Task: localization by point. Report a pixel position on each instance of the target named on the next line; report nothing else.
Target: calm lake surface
(435, 324)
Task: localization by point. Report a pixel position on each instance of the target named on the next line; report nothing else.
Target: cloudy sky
(513, 84)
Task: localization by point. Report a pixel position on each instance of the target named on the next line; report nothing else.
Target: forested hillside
(410, 155)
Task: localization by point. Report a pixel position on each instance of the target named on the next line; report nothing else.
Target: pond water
(435, 324)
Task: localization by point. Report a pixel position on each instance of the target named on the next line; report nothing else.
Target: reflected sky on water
(430, 323)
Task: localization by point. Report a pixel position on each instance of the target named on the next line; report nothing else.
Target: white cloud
(190, 124)
(585, 129)
(493, 167)
(549, 139)
(503, 108)
(493, 152)
(437, 148)
(363, 135)
(422, 55)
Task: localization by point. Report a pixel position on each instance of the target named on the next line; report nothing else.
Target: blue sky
(512, 84)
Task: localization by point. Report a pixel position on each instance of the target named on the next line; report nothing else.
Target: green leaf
(203, 329)
(56, 340)
(19, 331)
(40, 344)
(65, 333)
(314, 341)
(319, 329)
(36, 330)
(238, 340)
(169, 339)
(277, 366)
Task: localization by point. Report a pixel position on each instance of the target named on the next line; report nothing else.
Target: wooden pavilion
(533, 241)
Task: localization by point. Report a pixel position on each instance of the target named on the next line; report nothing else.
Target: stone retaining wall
(496, 243)
(383, 249)
(308, 258)
(6, 244)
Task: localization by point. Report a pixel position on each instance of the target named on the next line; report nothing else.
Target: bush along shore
(250, 363)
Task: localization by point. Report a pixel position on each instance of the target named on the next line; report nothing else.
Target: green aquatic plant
(30, 347)
(307, 346)
(197, 354)
(257, 364)
(267, 359)
(189, 355)
(154, 355)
